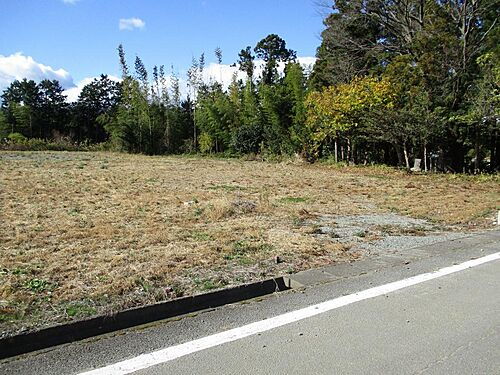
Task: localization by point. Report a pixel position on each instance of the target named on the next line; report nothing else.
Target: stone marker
(416, 166)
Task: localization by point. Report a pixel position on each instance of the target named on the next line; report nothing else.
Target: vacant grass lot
(88, 233)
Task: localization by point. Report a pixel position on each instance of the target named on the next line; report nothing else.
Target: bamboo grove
(393, 81)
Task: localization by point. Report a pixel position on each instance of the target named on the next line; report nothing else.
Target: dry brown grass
(86, 233)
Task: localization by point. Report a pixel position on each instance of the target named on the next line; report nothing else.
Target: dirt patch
(92, 233)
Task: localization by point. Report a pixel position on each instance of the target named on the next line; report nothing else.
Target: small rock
(277, 259)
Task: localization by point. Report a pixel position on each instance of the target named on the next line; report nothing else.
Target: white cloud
(19, 66)
(131, 23)
(73, 92)
(307, 62)
(224, 73)
(70, 1)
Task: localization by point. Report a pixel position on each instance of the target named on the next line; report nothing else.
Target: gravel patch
(373, 219)
(379, 234)
(399, 244)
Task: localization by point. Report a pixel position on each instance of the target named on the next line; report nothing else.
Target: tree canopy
(393, 81)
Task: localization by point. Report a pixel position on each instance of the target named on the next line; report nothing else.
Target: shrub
(16, 138)
(247, 139)
(206, 143)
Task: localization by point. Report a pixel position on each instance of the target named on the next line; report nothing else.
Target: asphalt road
(447, 325)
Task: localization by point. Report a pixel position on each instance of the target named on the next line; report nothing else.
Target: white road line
(168, 354)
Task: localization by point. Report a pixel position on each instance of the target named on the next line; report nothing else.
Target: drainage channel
(84, 329)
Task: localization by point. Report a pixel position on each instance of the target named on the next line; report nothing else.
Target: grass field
(91, 233)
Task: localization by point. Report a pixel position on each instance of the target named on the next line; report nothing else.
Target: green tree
(53, 110)
(483, 113)
(4, 126)
(98, 98)
(21, 102)
(246, 62)
(248, 136)
(272, 49)
(349, 44)
(125, 126)
(295, 86)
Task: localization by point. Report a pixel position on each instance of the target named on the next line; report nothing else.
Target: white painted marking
(168, 354)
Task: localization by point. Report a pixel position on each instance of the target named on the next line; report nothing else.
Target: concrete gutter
(79, 330)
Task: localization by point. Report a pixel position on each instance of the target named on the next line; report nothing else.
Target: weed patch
(80, 310)
(293, 200)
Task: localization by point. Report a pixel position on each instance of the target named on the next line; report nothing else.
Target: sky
(76, 40)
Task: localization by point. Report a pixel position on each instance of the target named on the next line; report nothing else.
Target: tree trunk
(194, 127)
(354, 150)
(476, 151)
(167, 133)
(407, 160)
(336, 155)
(495, 148)
(425, 157)
(348, 150)
(31, 127)
(399, 154)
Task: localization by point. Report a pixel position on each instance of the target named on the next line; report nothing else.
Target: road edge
(83, 329)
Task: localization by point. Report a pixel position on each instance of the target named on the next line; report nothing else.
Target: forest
(394, 81)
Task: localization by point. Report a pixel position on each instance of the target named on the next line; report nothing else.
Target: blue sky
(81, 36)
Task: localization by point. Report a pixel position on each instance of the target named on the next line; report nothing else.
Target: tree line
(394, 81)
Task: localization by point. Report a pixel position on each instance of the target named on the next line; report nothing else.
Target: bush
(18, 142)
(17, 138)
(206, 143)
(247, 139)
(187, 147)
(103, 146)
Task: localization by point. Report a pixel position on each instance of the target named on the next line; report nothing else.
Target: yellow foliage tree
(339, 109)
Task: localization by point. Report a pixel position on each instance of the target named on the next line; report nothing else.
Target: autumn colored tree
(338, 111)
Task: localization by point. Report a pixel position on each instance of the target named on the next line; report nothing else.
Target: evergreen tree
(98, 98)
(272, 49)
(53, 111)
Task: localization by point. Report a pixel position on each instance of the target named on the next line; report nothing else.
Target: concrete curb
(66, 333)
(360, 267)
